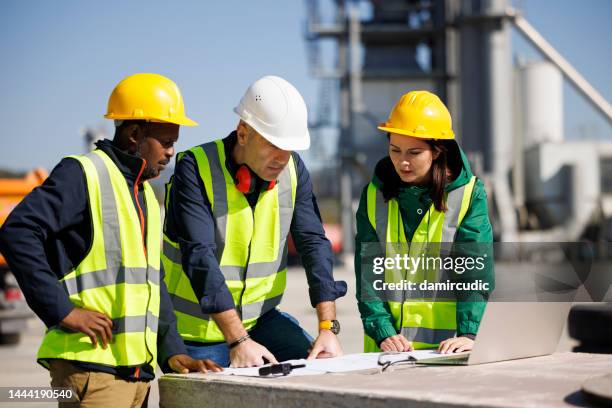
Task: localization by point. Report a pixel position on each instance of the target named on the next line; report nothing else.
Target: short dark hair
(125, 123)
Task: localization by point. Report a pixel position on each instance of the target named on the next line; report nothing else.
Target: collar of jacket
(229, 142)
(129, 164)
(384, 172)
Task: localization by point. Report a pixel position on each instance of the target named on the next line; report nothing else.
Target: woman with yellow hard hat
(422, 209)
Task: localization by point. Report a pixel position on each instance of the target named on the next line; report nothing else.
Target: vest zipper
(400, 220)
(246, 268)
(144, 246)
(140, 213)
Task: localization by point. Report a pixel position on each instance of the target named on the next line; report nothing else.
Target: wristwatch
(332, 325)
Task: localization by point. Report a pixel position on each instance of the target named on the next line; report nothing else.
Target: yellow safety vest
(117, 277)
(424, 317)
(251, 246)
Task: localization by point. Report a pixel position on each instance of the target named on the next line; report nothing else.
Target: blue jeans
(277, 331)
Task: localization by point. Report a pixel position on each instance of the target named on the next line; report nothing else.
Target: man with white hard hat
(231, 206)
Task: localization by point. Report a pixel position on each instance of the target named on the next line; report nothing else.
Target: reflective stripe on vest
(428, 317)
(117, 277)
(251, 246)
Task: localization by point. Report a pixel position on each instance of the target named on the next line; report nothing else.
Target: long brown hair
(443, 169)
(439, 174)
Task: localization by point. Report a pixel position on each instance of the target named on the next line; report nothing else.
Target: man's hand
(396, 343)
(250, 354)
(325, 346)
(91, 323)
(182, 363)
(455, 345)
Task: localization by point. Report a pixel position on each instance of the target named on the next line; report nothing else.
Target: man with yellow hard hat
(232, 204)
(85, 249)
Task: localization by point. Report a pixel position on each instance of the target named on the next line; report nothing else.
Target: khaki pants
(96, 389)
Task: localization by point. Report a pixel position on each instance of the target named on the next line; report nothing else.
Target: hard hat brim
(183, 121)
(405, 132)
(289, 144)
(300, 142)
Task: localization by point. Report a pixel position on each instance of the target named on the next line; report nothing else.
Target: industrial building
(508, 114)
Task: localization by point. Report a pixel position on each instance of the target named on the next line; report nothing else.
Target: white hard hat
(276, 110)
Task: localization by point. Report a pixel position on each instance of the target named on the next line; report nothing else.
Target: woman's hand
(396, 343)
(455, 345)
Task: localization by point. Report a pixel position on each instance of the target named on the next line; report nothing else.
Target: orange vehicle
(13, 309)
(333, 232)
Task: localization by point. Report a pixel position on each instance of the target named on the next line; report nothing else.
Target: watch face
(335, 327)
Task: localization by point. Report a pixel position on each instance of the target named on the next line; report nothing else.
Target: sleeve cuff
(62, 310)
(380, 333)
(163, 360)
(326, 291)
(171, 347)
(217, 302)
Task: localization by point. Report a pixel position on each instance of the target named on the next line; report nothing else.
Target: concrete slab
(549, 381)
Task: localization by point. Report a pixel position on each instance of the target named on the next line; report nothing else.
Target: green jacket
(476, 227)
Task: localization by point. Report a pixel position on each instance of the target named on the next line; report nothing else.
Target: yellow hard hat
(420, 114)
(148, 97)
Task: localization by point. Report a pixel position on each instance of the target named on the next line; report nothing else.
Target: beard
(149, 172)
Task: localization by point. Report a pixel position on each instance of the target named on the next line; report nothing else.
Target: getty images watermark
(37, 394)
(471, 272)
(418, 267)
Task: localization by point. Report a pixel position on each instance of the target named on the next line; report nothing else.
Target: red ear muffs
(245, 182)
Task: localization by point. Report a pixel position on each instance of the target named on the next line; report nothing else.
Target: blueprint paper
(346, 363)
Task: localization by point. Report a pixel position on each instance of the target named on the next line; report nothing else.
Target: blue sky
(61, 59)
(579, 30)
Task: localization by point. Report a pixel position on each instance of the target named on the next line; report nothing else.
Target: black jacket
(49, 233)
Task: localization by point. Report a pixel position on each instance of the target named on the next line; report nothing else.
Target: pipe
(577, 80)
